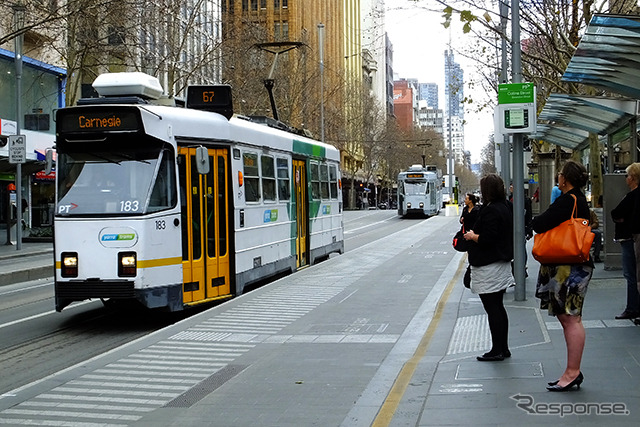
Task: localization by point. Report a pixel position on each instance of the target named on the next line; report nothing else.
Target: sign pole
(519, 242)
(18, 13)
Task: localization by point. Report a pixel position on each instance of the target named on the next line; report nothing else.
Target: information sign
(516, 93)
(17, 149)
(516, 108)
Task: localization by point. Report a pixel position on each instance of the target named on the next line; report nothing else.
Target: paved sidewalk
(33, 261)
(458, 390)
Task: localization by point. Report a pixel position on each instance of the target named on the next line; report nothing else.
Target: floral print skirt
(561, 288)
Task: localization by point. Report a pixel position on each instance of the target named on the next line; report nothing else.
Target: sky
(419, 41)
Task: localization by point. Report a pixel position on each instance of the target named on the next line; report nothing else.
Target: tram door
(302, 214)
(205, 226)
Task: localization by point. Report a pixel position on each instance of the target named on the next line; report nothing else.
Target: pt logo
(66, 208)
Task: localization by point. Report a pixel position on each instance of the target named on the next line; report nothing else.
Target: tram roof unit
(140, 91)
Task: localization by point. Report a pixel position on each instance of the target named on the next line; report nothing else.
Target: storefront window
(40, 96)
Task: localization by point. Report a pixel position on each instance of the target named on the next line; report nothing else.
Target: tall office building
(454, 109)
(428, 92)
(453, 85)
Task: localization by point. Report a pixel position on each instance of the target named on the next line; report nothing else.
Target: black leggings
(498, 321)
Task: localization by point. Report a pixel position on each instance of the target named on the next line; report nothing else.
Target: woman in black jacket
(624, 218)
(490, 258)
(562, 287)
(470, 211)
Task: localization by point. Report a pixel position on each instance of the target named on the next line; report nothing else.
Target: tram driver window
(251, 177)
(163, 195)
(268, 178)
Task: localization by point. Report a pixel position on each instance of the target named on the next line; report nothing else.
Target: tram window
(164, 195)
(284, 192)
(268, 178)
(324, 181)
(251, 177)
(333, 181)
(315, 180)
(222, 206)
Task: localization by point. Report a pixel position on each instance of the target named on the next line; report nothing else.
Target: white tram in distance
(175, 206)
(419, 191)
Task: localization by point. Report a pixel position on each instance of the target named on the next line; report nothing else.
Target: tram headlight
(69, 264)
(127, 264)
(421, 205)
(408, 205)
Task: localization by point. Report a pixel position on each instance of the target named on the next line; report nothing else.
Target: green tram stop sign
(517, 108)
(516, 93)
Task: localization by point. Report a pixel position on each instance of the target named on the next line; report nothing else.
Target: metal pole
(450, 167)
(505, 152)
(518, 167)
(321, 52)
(18, 11)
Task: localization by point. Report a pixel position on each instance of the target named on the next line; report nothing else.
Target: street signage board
(17, 149)
(516, 93)
(516, 110)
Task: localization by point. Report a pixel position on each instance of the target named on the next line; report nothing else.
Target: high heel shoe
(553, 382)
(577, 381)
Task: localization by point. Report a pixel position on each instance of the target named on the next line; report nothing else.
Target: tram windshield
(415, 187)
(124, 181)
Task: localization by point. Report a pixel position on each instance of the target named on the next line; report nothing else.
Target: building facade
(405, 103)
(429, 93)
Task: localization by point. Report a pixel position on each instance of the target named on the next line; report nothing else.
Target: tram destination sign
(98, 120)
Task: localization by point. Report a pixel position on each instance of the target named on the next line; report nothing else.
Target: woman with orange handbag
(562, 287)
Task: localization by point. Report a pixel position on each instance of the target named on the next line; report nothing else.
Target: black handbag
(459, 243)
(466, 280)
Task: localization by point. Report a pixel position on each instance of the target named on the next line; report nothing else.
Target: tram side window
(251, 177)
(164, 194)
(268, 178)
(333, 181)
(315, 180)
(324, 181)
(284, 189)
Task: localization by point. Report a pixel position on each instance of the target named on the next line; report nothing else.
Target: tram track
(38, 341)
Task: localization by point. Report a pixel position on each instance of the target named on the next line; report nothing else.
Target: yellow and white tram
(176, 206)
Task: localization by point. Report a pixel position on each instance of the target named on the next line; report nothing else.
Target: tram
(175, 206)
(419, 191)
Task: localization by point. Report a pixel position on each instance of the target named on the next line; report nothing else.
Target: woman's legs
(574, 336)
(498, 322)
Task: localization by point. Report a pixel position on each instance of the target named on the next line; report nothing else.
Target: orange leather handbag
(568, 243)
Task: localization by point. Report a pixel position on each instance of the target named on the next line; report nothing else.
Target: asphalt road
(37, 341)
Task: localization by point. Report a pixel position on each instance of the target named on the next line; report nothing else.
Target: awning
(567, 120)
(607, 58)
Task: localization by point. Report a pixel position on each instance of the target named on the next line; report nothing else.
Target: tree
(177, 44)
(550, 33)
(488, 159)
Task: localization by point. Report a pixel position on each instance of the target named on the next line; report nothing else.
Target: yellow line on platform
(390, 405)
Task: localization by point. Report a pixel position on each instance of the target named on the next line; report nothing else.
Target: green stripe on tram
(308, 149)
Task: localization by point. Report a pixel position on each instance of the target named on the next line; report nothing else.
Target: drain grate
(206, 386)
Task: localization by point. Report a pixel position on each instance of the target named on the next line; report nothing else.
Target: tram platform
(382, 335)
(33, 261)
